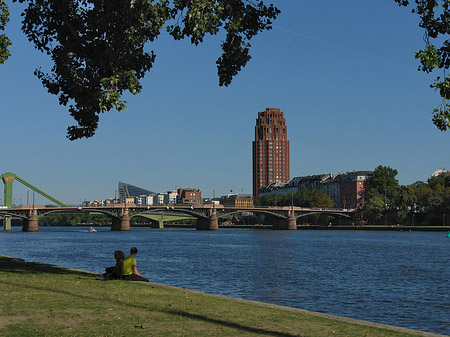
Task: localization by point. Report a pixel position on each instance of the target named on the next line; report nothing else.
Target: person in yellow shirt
(129, 269)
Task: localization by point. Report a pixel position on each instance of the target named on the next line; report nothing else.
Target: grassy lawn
(43, 300)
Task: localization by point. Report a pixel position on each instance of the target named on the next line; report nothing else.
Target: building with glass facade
(127, 190)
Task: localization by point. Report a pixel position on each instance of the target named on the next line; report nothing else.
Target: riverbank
(399, 228)
(45, 300)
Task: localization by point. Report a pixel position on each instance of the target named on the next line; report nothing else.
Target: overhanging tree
(98, 46)
(5, 43)
(435, 20)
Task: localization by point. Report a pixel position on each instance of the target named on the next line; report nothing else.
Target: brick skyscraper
(270, 150)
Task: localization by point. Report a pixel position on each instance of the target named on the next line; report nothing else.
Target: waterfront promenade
(45, 300)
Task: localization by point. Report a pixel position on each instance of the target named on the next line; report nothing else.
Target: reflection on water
(398, 278)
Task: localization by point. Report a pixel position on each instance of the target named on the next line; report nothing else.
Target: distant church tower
(270, 150)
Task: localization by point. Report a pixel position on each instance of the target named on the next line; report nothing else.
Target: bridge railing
(183, 206)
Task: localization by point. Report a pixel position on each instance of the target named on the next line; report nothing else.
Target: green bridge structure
(8, 179)
(283, 217)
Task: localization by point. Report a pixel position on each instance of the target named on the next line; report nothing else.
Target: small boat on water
(92, 229)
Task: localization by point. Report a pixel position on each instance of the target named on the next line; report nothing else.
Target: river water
(397, 278)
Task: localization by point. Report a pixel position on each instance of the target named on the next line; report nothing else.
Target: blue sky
(343, 73)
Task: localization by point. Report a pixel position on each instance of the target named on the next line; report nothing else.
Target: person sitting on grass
(129, 270)
(115, 273)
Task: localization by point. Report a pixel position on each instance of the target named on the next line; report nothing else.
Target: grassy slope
(43, 300)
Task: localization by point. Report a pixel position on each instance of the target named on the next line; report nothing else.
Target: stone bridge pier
(31, 224)
(121, 223)
(289, 223)
(210, 223)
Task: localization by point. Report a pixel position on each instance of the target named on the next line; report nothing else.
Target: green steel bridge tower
(8, 179)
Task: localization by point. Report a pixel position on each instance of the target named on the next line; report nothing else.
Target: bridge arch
(207, 217)
(323, 213)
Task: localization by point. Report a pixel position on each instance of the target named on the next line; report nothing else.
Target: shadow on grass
(13, 265)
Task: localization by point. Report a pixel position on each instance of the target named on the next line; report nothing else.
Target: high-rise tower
(270, 150)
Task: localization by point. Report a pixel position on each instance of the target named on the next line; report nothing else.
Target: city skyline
(344, 76)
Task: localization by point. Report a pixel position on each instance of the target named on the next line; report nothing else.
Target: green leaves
(430, 58)
(383, 193)
(97, 46)
(374, 209)
(242, 20)
(5, 43)
(98, 52)
(435, 20)
(383, 180)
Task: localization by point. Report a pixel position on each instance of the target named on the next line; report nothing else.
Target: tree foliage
(431, 196)
(435, 20)
(5, 43)
(98, 46)
(384, 184)
(443, 179)
(73, 219)
(302, 198)
(428, 202)
(404, 203)
(374, 209)
(387, 197)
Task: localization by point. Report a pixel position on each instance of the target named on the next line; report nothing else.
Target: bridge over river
(284, 217)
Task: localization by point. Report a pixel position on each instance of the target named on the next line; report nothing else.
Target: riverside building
(138, 196)
(270, 150)
(237, 200)
(346, 190)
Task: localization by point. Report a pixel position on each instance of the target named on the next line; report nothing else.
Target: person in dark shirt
(115, 273)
